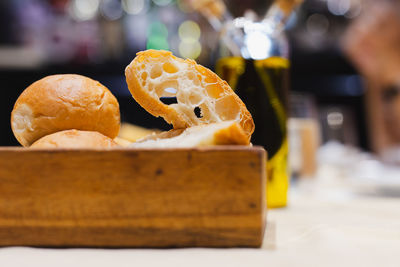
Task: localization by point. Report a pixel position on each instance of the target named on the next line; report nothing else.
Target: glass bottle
(254, 61)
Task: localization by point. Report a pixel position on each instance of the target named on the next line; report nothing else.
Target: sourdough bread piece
(219, 133)
(62, 102)
(74, 139)
(202, 97)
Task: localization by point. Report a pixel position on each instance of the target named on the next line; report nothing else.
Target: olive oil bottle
(254, 61)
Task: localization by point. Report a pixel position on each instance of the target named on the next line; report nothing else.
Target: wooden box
(211, 197)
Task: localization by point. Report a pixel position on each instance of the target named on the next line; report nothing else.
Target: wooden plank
(212, 197)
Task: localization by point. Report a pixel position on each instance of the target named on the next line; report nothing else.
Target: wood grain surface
(212, 197)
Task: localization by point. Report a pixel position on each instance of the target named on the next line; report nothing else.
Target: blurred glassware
(338, 124)
(304, 141)
(302, 105)
(304, 135)
(356, 171)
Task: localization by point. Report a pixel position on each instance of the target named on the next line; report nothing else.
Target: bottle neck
(217, 22)
(244, 36)
(276, 17)
(214, 10)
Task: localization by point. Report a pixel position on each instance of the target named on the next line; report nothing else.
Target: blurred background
(99, 38)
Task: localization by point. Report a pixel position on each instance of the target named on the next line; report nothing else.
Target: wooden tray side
(132, 198)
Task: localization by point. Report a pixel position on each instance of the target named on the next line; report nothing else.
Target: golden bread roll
(62, 102)
(219, 133)
(202, 97)
(74, 139)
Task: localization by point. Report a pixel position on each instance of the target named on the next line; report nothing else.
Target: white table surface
(319, 228)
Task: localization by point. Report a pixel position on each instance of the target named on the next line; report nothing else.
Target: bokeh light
(355, 10)
(189, 33)
(183, 6)
(84, 9)
(258, 45)
(317, 24)
(339, 7)
(162, 2)
(111, 9)
(189, 30)
(134, 7)
(190, 49)
(157, 36)
(157, 42)
(158, 28)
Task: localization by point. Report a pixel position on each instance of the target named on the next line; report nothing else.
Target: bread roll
(74, 139)
(62, 102)
(202, 97)
(220, 133)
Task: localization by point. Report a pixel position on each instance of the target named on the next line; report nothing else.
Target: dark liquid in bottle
(263, 87)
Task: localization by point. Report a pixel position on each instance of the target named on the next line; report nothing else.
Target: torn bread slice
(202, 97)
(220, 133)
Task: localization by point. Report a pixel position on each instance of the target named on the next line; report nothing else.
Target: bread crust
(217, 100)
(61, 102)
(233, 134)
(74, 139)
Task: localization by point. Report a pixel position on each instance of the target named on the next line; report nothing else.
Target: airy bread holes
(156, 72)
(214, 90)
(227, 108)
(170, 90)
(190, 75)
(170, 68)
(211, 79)
(195, 99)
(197, 112)
(205, 112)
(193, 78)
(167, 92)
(168, 100)
(169, 96)
(167, 88)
